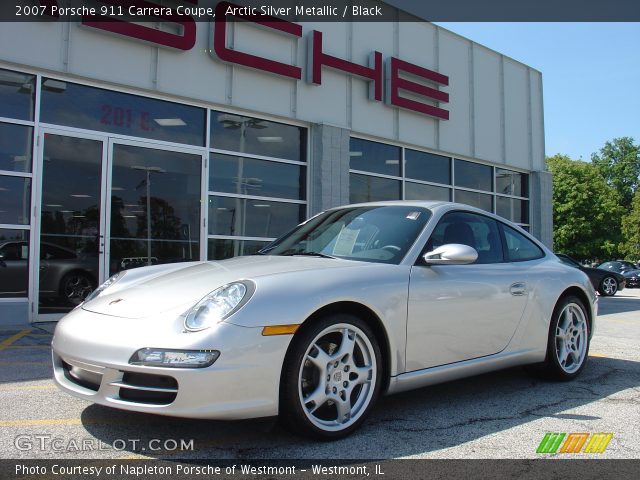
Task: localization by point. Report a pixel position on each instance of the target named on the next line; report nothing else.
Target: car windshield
(381, 234)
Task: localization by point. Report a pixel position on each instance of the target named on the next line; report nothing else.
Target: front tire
(75, 287)
(331, 377)
(568, 342)
(608, 287)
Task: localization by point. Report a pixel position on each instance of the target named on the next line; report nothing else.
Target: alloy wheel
(571, 338)
(76, 288)
(609, 286)
(337, 378)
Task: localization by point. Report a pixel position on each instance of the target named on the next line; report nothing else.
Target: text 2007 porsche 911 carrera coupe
(356, 301)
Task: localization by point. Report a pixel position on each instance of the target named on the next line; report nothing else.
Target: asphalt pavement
(499, 415)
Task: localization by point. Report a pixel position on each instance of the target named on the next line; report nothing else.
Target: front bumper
(91, 354)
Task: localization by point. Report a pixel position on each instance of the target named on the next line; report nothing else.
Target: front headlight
(218, 305)
(98, 291)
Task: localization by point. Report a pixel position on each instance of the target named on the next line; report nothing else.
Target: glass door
(108, 205)
(70, 239)
(155, 205)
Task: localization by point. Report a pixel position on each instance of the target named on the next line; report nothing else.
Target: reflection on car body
(356, 301)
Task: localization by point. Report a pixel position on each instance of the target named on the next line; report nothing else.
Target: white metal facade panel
(516, 113)
(193, 74)
(455, 133)
(474, 128)
(329, 102)
(109, 57)
(38, 44)
(417, 44)
(537, 120)
(487, 105)
(373, 118)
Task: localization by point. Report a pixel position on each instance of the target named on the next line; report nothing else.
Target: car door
(459, 312)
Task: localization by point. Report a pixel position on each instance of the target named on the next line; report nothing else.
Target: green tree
(630, 247)
(619, 164)
(586, 211)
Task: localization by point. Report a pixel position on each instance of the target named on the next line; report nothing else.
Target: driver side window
(470, 229)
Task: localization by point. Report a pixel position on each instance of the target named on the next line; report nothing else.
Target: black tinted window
(470, 229)
(519, 247)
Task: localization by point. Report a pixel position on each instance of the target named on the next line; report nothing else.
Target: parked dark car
(619, 266)
(606, 282)
(64, 275)
(632, 278)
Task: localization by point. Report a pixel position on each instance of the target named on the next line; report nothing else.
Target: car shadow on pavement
(409, 423)
(618, 304)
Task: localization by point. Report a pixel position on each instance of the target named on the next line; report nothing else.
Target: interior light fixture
(355, 154)
(54, 85)
(270, 139)
(170, 122)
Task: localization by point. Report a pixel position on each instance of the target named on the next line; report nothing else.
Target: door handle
(518, 289)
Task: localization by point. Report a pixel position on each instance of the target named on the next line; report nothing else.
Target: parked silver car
(357, 301)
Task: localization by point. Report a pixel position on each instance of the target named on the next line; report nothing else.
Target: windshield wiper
(291, 253)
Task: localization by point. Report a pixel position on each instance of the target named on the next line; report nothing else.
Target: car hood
(182, 287)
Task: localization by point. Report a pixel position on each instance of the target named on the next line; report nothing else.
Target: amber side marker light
(280, 330)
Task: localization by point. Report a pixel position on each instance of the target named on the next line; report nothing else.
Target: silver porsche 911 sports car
(356, 301)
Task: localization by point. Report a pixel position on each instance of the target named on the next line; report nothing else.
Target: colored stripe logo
(552, 442)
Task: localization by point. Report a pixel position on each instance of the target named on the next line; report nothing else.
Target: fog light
(156, 357)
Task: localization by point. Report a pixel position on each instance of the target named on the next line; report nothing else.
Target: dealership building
(123, 144)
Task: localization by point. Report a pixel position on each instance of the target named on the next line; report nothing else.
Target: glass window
(159, 191)
(364, 188)
(15, 200)
(263, 178)
(17, 95)
(477, 231)
(473, 175)
(372, 234)
(260, 137)
(14, 263)
(511, 183)
(252, 218)
(15, 147)
(66, 103)
(427, 166)
(519, 247)
(374, 157)
(512, 209)
(480, 200)
(420, 191)
(220, 248)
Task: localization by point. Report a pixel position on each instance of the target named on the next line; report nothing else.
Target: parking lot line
(27, 387)
(6, 343)
(38, 422)
(25, 346)
(18, 362)
(597, 354)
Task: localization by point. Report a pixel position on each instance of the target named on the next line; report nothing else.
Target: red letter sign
(395, 83)
(186, 41)
(317, 58)
(246, 59)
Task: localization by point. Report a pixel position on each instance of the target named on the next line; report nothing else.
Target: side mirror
(451, 254)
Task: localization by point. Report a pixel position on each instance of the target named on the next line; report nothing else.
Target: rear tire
(331, 378)
(608, 287)
(568, 341)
